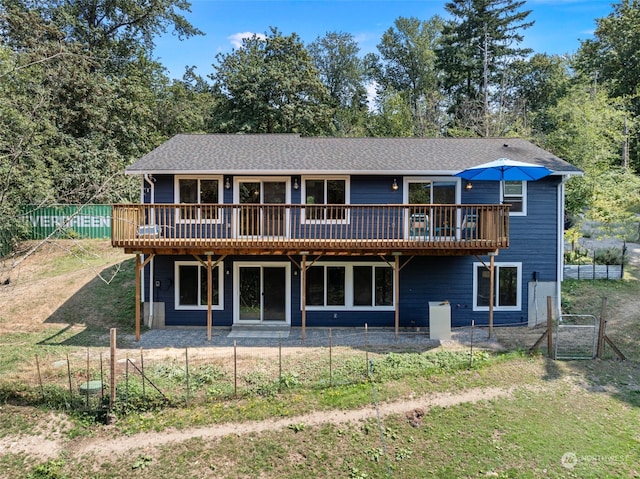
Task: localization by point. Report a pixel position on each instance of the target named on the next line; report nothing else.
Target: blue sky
(559, 24)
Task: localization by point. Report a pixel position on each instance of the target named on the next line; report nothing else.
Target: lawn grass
(575, 419)
(562, 430)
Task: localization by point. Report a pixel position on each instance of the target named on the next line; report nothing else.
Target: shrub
(610, 256)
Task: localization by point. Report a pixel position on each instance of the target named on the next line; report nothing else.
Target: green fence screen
(69, 221)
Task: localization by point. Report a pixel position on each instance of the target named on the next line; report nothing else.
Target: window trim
(325, 179)
(431, 179)
(407, 180)
(179, 307)
(199, 220)
(349, 289)
(498, 265)
(524, 198)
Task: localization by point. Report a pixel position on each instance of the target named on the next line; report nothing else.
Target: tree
(612, 59)
(587, 131)
(341, 70)
(530, 87)
(407, 66)
(118, 28)
(78, 100)
(393, 118)
(185, 105)
(270, 85)
(478, 44)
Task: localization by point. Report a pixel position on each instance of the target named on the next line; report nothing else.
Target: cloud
(236, 38)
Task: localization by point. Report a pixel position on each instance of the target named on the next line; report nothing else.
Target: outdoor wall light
(227, 183)
(394, 185)
(296, 185)
(468, 186)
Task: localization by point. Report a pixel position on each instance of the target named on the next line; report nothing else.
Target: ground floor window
(507, 286)
(191, 286)
(350, 286)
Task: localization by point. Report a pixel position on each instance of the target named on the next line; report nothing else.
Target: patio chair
(419, 226)
(469, 225)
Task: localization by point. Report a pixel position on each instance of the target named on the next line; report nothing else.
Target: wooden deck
(276, 229)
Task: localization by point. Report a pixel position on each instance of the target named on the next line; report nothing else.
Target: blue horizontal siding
(533, 242)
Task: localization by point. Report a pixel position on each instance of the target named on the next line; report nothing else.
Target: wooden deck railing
(264, 228)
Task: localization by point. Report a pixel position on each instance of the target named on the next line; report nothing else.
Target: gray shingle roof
(292, 154)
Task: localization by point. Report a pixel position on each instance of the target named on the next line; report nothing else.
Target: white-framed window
(328, 193)
(192, 191)
(191, 286)
(507, 286)
(514, 193)
(423, 220)
(353, 286)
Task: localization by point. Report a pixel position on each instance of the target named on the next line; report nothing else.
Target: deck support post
(303, 298)
(138, 268)
(396, 271)
(209, 295)
(491, 291)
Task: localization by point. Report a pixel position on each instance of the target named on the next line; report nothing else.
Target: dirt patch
(40, 283)
(47, 441)
(45, 447)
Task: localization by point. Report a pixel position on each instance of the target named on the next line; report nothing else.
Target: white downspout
(152, 197)
(560, 249)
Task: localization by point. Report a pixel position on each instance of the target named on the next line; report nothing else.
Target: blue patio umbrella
(504, 169)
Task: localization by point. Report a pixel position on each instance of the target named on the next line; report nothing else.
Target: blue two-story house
(280, 230)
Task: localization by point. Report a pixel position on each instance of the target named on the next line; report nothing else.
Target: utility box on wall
(537, 308)
(158, 315)
(439, 320)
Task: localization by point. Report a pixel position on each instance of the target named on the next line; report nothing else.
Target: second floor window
(514, 194)
(331, 192)
(198, 191)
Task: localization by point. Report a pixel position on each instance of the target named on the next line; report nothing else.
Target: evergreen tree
(478, 44)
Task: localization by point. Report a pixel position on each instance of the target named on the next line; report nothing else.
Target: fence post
(126, 376)
(473, 325)
(186, 368)
(39, 377)
(549, 328)
(601, 328)
(144, 392)
(366, 346)
(101, 383)
(70, 387)
(88, 380)
(624, 253)
(330, 359)
(280, 362)
(112, 368)
(235, 369)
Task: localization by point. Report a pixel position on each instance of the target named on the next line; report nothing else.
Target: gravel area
(315, 337)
